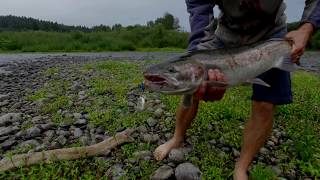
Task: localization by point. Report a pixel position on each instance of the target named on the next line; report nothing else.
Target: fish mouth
(155, 79)
(160, 83)
(166, 85)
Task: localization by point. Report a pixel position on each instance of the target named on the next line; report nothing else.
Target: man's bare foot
(163, 150)
(240, 175)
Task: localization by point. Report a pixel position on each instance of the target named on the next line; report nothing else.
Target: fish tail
(286, 64)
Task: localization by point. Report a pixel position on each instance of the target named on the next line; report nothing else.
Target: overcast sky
(109, 12)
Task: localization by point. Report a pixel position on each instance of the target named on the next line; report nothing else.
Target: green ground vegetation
(107, 96)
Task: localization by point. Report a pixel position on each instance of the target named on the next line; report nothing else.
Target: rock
(64, 133)
(77, 115)
(3, 138)
(264, 151)
(276, 170)
(274, 140)
(158, 113)
(80, 122)
(116, 172)
(235, 152)
(61, 140)
(163, 173)
(37, 120)
(85, 140)
(212, 142)
(54, 145)
(226, 149)
(150, 138)
(168, 135)
(99, 138)
(187, 171)
(47, 126)
(32, 132)
(4, 103)
(100, 130)
(8, 130)
(49, 135)
(142, 129)
(151, 122)
(270, 143)
(4, 97)
(10, 118)
(142, 155)
(29, 143)
(21, 134)
(176, 156)
(77, 133)
(8, 144)
(40, 148)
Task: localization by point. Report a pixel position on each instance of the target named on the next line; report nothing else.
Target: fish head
(180, 77)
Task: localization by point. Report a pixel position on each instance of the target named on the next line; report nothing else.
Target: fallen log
(102, 148)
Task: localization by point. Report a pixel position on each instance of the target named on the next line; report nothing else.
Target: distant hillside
(15, 23)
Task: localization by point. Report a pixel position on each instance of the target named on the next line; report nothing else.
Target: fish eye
(172, 70)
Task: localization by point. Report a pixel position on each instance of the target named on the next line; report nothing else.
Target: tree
(168, 21)
(116, 27)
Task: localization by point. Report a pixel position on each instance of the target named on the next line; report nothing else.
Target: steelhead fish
(184, 74)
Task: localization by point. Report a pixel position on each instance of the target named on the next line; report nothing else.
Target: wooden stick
(102, 148)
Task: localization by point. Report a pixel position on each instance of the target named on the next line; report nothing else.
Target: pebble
(187, 171)
(100, 130)
(61, 140)
(47, 126)
(49, 135)
(3, 138)
(142, 155)
(77, 133)
(276, 170)
(116, 172)
(235, 152)
(10, 118)
(264, 151)
(80, 122)
(176, 155)
(77, 115)
(4, 97)
(85, 140)
(29, 143)
(163, 173)
(64, 133)
(99, 138)
(151, 122)
(8, 130)
(8, 144)
(32, 132)
(142, 129)
(4, 103)
(158, 113)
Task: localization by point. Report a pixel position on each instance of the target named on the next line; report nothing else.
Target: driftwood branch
(102, 148)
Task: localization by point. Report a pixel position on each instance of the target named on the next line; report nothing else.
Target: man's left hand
(300, 38)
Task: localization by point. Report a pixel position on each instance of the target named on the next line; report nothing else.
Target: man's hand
(211, 93)
(300, 38)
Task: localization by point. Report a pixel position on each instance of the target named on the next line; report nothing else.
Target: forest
(25, 34)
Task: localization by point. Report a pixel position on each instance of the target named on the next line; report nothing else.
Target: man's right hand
(208, 93)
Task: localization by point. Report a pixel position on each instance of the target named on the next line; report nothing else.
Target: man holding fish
(241, 23)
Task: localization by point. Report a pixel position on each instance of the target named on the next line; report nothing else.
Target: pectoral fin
(258, 81)
(286, 64)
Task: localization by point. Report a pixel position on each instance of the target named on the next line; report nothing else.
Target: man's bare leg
(256, 132)
(184, 117)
